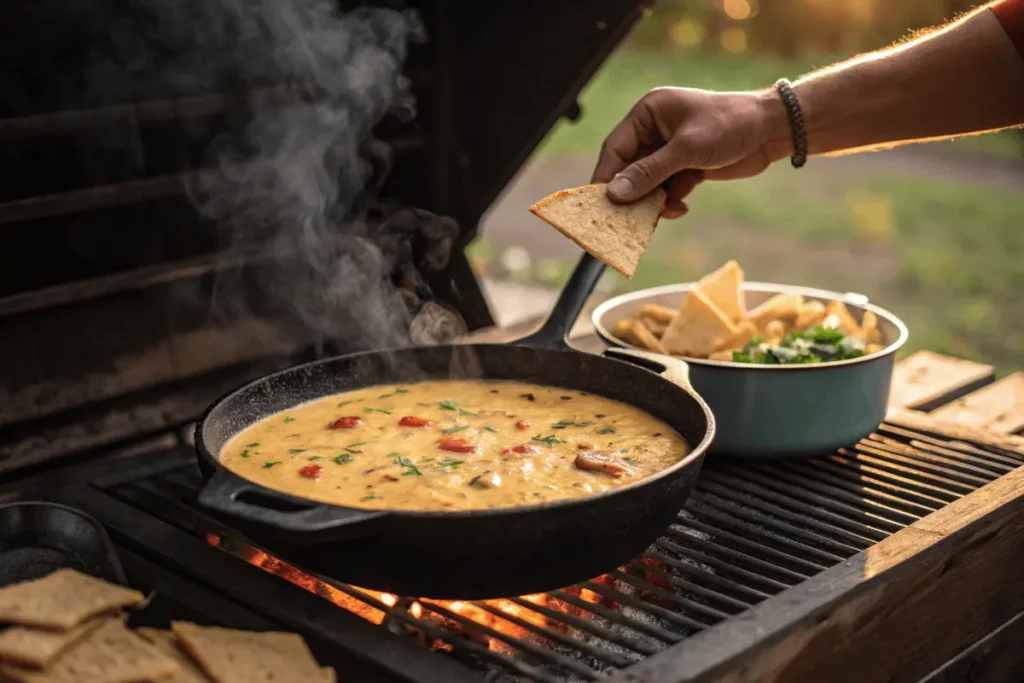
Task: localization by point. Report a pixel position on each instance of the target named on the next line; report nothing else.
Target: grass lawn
(946, 257)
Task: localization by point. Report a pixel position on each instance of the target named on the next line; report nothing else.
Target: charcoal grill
(908, 542)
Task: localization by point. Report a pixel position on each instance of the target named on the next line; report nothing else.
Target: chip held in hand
(616, 234)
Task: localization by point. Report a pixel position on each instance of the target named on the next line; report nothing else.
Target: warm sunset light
(737, 9)
(734, 40)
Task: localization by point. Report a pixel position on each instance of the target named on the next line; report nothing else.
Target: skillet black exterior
(475, 554)
(37, 538)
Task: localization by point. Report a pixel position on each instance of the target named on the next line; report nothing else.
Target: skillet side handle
(673, 369)
(311, 523)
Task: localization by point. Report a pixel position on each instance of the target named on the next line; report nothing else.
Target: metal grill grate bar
(884, 456)
(808, 568)
(881, 483)
(589, 626)
(714, 549)
(657, 591)
(642, 627)
(693, 588)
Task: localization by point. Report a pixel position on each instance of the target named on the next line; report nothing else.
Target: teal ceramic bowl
(781, 411)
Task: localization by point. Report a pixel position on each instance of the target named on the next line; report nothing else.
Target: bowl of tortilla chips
(788, 371)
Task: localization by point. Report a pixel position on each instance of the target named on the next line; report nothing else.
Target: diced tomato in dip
(412, 421)
(349, 422)
(522, 449)
(522, 425)
(311, 471)
(455, 445)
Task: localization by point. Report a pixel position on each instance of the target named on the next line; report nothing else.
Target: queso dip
(453, 445)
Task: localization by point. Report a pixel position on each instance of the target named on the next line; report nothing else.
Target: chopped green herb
(342, 459)
(315, 457)
(475, 479)
(452, 430)
(449, 404)
(490, 428)
(549, 440)
(606, 430)
(624, 451)
(289, 418)
(451, 464)
(426, 459)
(294, 451)
(254, 444)
(345, 403)
(268, 465)
(409, 465)
(398, 390)
(562, 424)
(371, 497)
(631, 461)
(368, 409)
(817, 345)
(245, 453)
(351, 448)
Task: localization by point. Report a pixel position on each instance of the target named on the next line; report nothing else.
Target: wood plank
(998, 407)
(884, 615)
(924, 422)
(927, 380)
(996, 658)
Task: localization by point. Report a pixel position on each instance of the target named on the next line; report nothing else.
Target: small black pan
(38, 538)
(466, 554)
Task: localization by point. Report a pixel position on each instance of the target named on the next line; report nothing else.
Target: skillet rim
(691, 459)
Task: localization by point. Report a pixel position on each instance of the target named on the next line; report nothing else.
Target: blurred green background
(934, 233)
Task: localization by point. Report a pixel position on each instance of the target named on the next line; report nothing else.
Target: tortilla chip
(617, 234)
(328, 675)
(660, 314)
(110, 653)
(698, 329)
(784, 307)
(624, 331)
(646, 337)
(229, 656)
(838, 315)
(724, 288)
(62, 600)
(35, 648)
(167, 643)
(745, 333)
(811, 313)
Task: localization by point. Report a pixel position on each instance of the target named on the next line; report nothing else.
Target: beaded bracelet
(796, 122)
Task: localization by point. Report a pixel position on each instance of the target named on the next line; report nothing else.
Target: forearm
(966, 78)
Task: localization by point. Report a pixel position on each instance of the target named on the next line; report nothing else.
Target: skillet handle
(310, 523)
(554, 333)
(673, 369)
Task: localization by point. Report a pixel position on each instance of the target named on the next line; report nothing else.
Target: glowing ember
(438, 612)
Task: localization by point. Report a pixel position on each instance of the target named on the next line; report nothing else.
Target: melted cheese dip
(459, 445)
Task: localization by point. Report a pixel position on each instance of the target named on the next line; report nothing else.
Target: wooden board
(996, 658)
(927, 380)
(998, 407)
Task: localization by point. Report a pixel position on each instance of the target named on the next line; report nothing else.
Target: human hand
(678, 137)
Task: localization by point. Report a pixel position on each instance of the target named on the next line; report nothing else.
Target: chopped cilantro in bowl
(816, 345)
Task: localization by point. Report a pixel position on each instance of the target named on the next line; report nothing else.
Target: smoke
(295, 189)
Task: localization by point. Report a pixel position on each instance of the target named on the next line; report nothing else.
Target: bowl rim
(849, 298)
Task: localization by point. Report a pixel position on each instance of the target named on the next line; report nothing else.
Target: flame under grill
(750, 531)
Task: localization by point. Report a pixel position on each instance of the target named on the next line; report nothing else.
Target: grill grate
(750, 531)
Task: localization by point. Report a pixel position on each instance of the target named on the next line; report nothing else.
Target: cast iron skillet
(466, 554)
(38, 538)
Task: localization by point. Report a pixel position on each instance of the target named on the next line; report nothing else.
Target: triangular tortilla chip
(617, 234)
(229, 656)
(724, 289)
(109, 654)
(784, 307)
(698, 329)
(62, 600)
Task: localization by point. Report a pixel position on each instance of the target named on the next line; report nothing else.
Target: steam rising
(295, 184)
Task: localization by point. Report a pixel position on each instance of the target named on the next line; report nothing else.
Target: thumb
(641, 177)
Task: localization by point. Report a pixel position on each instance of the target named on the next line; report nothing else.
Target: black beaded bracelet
(796, 122)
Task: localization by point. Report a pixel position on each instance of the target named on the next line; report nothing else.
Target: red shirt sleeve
(1011, 15)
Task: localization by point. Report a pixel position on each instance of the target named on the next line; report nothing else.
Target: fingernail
(621, 187)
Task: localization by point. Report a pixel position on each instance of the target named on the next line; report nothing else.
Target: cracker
(724, 288)
(35, 648)
(62, 600)
(699, 328)
(166, 642)
(617, 234)
(110, 653)
(229, 656)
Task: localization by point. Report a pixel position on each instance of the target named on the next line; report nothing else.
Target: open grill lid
(113, 316)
